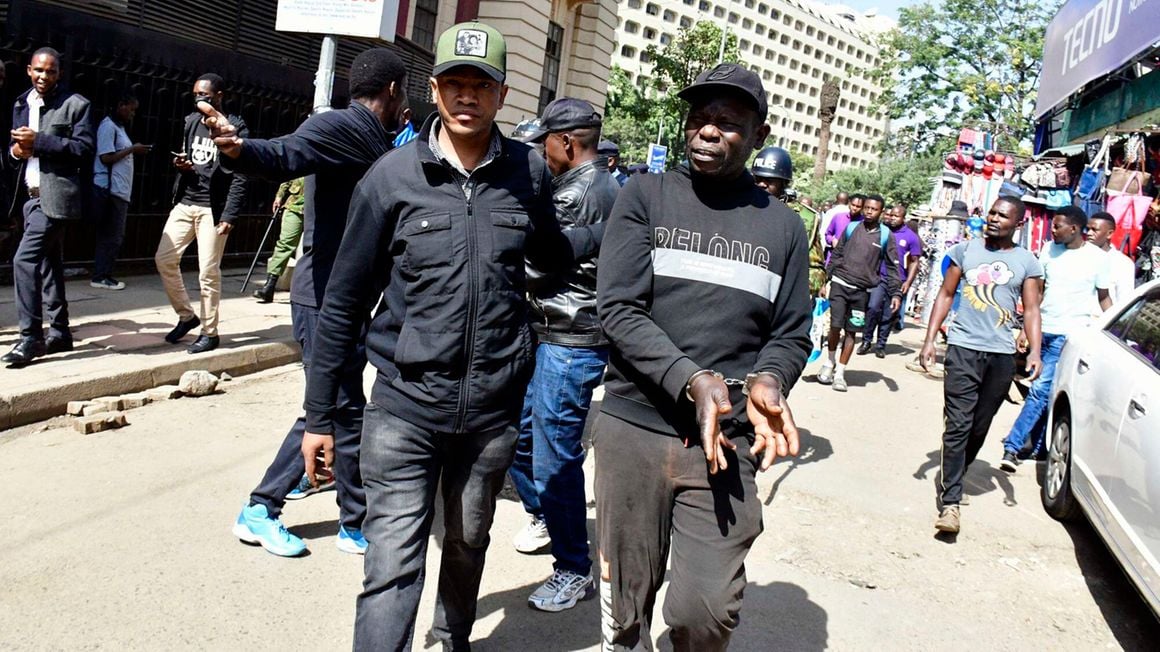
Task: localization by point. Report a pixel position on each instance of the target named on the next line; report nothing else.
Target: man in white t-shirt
(1076, 276)
(841, 205)
(112, 189)
(1101, 226)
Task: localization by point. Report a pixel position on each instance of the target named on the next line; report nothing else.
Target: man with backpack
(861, 249)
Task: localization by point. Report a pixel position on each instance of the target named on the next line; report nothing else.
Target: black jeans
(402, 466)
(109, 231)
(287, 468)
(38, 275)
(975, 385)
(653, 496)
(879, 317)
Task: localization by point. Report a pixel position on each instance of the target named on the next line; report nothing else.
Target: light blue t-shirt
(111, 137)
(1073, 278)
(992, 285)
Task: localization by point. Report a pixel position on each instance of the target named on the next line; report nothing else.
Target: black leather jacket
(563, 306)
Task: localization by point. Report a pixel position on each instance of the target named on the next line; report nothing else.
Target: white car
(1104, 441)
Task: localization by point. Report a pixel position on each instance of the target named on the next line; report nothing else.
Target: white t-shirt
(1123, 272)
(829, 216)
(1072, 277)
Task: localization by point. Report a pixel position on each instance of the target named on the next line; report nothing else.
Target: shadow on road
(812, 448)
(1127, 615)
(863, 377)
(980, 478)
(780, 616)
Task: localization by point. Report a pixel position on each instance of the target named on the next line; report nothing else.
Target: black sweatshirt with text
(699, 274)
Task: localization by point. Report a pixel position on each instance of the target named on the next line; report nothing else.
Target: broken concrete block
(225, 376)
(112, 403)
(100, 422)
(95, 408)
(130, 401)
(198, 383)
(163, 393)
(77, 408)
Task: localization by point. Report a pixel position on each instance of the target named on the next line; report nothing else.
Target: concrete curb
(31, 404)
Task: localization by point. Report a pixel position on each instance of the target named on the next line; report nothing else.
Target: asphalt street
(121, 540)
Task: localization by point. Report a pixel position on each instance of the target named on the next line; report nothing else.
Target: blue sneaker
(255, 527)
(304, 488)
(351, 541)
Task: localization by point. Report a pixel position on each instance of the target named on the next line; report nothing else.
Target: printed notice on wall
(373, 18)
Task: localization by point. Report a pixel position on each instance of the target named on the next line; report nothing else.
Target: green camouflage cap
(472, 44)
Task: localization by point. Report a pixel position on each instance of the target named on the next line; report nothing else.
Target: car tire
(1058, 499)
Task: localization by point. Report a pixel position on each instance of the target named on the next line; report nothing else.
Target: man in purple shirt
(880, 318)
(838, 225)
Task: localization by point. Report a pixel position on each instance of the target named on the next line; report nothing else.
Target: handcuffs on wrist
(745, 384)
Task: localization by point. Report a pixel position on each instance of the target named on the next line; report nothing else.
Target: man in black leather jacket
(570, 360)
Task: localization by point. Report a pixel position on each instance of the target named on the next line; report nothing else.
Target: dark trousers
(879, 318)
(110, 231)
(654, 497)
(974, 388)
(402, 467)
(38, 275)
(287, 468)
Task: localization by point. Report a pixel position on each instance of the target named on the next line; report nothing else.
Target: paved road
(122, 541)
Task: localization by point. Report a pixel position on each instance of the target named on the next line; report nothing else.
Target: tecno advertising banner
(370, 18)
(1088, 39)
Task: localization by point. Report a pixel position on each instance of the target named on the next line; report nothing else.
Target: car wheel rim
(1057, 459)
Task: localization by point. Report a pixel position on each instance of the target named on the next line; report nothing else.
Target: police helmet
(773, 162)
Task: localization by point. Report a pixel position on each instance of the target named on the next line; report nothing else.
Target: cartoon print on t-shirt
(980, 290)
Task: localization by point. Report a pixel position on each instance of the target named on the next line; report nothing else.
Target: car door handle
(1136, 409)
(1082, 367)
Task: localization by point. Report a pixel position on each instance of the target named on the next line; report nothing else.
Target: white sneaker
(826, 374)
(562, 591)
(839, 383)
(533, 538)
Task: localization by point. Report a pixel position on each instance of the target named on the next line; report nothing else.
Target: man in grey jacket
(570, 357)
(52, 144)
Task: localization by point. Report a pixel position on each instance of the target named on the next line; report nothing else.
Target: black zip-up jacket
(227, 191)
(699, 275)
(335, 149)
(64, 146)
(564, 305)
(857, 259)
(451, 340)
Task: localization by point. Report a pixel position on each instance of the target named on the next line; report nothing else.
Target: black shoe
(24, 352)
(1009, 463)
(265, 294)
(182, 329)
(58, 345)
(864, 347)
(880, 352)
(204, 343)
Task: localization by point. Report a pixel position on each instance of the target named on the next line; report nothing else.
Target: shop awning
(1089, 39)
(1057, 152)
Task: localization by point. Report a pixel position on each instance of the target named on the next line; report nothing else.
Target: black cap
(607, 148)
(564, 114)
(731, 76)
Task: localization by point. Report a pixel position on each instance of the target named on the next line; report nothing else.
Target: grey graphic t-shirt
(992, 284)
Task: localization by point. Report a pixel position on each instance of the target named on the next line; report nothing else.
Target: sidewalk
(120, 345)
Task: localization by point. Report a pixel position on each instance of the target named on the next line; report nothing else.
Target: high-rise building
(795, 45)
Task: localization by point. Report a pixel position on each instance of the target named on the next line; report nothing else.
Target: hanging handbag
(1132, 178)
(1089, 192)
(1130, 211)
(1062, 176)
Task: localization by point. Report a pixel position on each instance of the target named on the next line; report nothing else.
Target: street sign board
(368, 18)
(656, 158)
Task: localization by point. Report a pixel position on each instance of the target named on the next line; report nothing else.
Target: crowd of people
(495, 283)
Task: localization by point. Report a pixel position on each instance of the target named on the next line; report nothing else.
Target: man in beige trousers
(207, 200)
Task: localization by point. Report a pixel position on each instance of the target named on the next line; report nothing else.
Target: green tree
(956, 62)
(637, 112)
(907, 181)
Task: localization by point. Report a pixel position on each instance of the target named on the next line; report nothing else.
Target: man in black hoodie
(333, 150)
(859, 252)
(702, 288)
(207, 201)
(437, 236)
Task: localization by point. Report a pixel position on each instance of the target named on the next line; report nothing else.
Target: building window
(650, 33)
(792, 85)
(761, 30)
(757, 50)
(704, 6)
(733, 18)
(670, 16)
(793, 65)
(634, 4)
(744, 45)
(798, 25)
(747, 24)
(810, 31)
(652, 9)
(762, 8)
(766, 75)
(551, 78)
(632, 27)
(719, 12)
(782, 59)
(686, 22)
(423, 31)
(666, 38)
